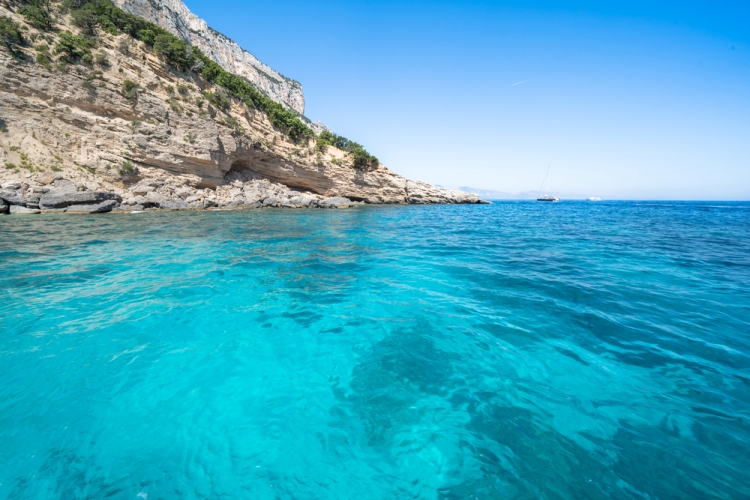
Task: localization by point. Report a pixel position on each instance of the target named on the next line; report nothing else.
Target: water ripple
(517, 350)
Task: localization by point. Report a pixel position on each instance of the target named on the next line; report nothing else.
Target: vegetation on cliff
(362, 159)
(11, 35)
(91, 15)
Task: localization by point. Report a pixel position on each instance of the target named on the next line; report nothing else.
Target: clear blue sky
(625, 99)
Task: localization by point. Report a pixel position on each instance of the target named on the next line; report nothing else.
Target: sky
(625, 100)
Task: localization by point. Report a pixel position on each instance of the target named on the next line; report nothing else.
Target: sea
(517, 350)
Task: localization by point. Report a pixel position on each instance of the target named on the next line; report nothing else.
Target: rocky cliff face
(134, 133)
(174, 16)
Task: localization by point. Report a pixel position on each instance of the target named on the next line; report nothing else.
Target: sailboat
(544, 192)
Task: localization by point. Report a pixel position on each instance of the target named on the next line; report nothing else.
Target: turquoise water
(517, 350)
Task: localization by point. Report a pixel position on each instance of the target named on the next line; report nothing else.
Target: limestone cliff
(177, 18)
(136, 133)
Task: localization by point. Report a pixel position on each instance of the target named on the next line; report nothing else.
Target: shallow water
(517, 350)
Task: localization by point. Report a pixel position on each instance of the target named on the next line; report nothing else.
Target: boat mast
(545, 185)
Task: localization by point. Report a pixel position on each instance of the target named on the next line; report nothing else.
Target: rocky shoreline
(128, 131)
(56, 194)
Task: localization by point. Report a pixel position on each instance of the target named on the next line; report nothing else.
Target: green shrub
(11, 36)
(174, 106)
(183, 90)
(130, 90)
(85, 19)
(127, 168)
(54, 168)
(177, 53)
(74, 47)
(182, 56)
(220, 99)
(190, 138)
(10, 165)
(88, 80)
(101, 59)
(362, 159)
(44, 59)
(231, 121)
(37, 15)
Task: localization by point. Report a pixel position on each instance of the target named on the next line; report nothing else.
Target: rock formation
(177, 18)
(126, 131)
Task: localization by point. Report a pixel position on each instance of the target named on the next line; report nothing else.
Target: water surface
(517, 350)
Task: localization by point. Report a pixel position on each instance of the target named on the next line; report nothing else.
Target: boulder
(40, 189)
(142, 190)
(105, 206)
(64, 185)
(32, 198)
(192, 199)
(12, 197)
(303, 200)
(154, 199)
(185, 193)
(11, 186)
(271, 201)
(62, 199)
(336, 202)
(92, 186)
(45, 179)
(3, 207)
(18, 209)
(173, 204)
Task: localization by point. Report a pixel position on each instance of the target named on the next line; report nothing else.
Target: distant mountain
(488, 194)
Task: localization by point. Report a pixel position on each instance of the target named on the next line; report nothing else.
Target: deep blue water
(517, 350)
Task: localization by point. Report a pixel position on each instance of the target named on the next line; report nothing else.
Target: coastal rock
(185, 193)
(303, 201)
(45, 179)
(174, 16)
(105, 206)
(62, 199)
(18, 209)
(174, 148)
(337, 202)
(64, 185)
(3, 207)
(142, 189)
(12, 197)
(173, 204)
